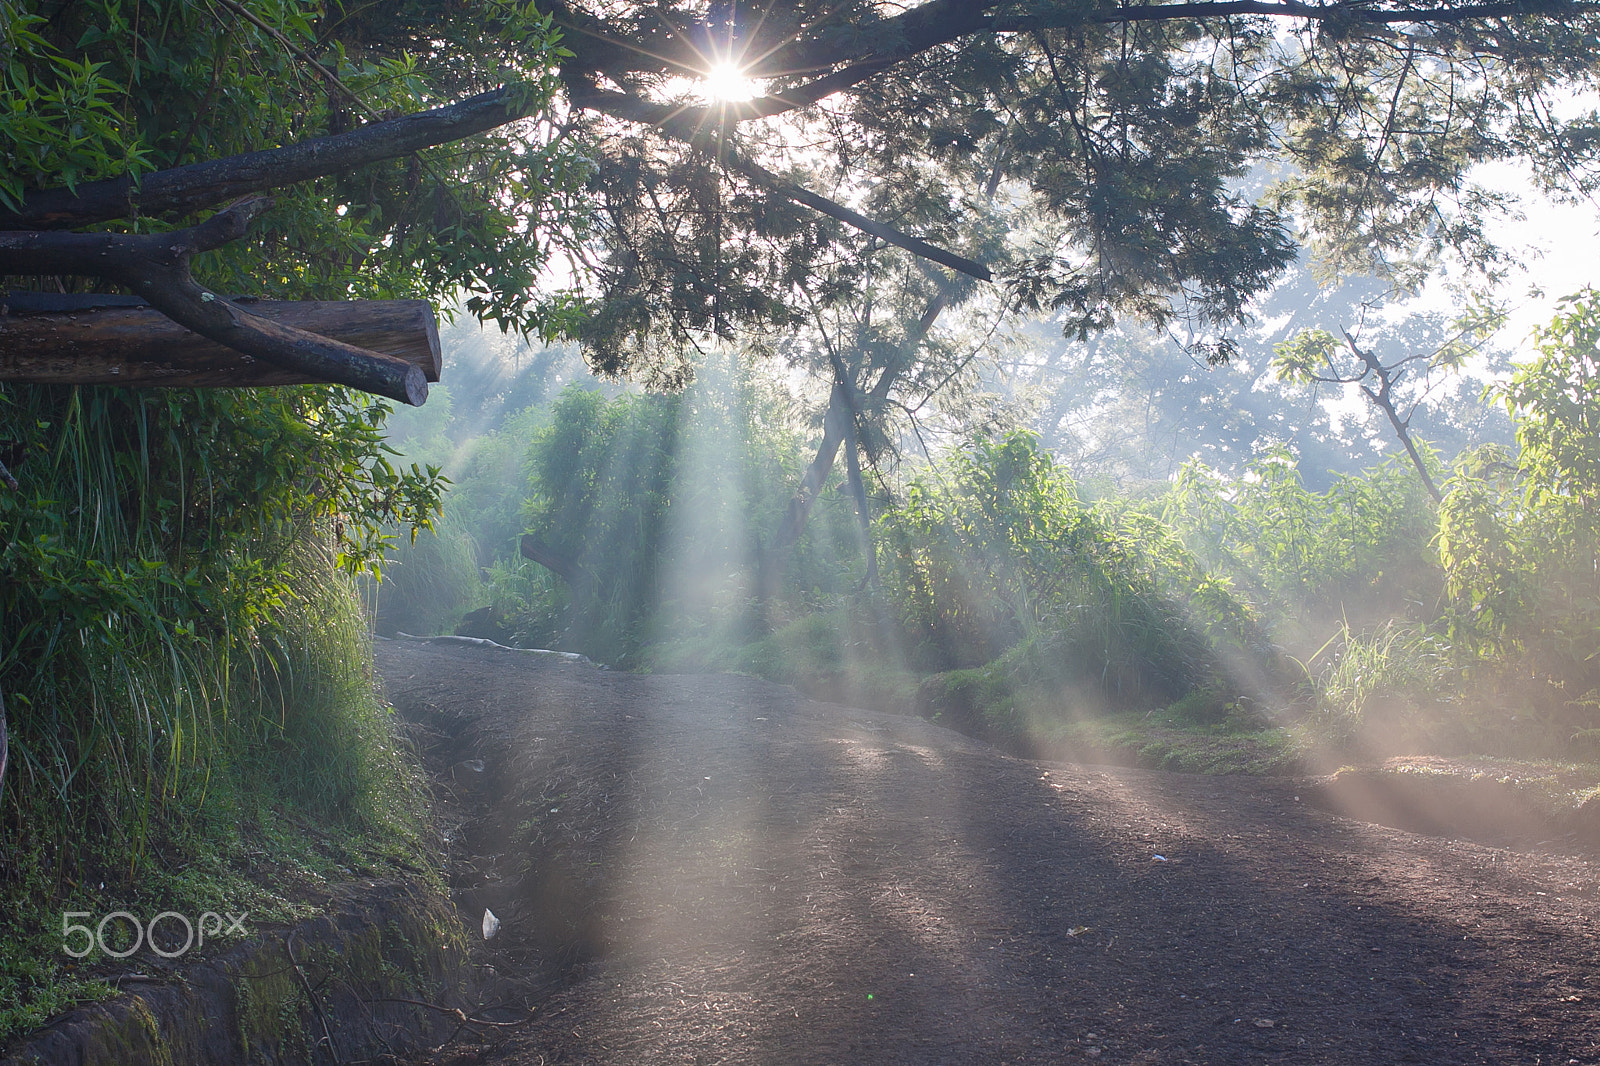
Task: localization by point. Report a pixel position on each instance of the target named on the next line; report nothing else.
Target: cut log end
(416, 387)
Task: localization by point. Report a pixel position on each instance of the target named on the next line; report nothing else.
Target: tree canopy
(1123, 133)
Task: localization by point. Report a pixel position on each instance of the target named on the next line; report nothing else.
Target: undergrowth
(836, 653)
(186, 668)
(308, 782)
(1162, 740)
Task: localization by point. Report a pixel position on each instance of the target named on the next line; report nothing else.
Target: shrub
(992, 554)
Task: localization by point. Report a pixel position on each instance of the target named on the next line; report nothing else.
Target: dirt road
(715, 870)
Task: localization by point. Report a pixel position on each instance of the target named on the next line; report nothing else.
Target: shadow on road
(724, 872)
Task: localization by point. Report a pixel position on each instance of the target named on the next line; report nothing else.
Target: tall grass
(185, 663)
(429, 583)
(1376, 681)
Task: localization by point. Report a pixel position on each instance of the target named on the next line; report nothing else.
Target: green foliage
(1301, 358)
(1555, 400)
(605, 472)
(1133, 406)
(60, 120)
(181, 648)
(1362, 549)
(1376, 682)
(152, 561)
(431, 582)
(1521, 540)
(160, 764)
(33, 989)
(103, 88)
(1471, 623)
(1123, 147)
(159, 538)
(659, 503)
(992, 553)
(526, 602)
(1170, 740)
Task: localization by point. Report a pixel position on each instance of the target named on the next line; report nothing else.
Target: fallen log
(116, 340)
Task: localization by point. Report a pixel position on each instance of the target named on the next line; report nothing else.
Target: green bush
(181, 643)
(659, 504)
(992, 555)
(1362, 551)
(1377, 683)
(1520, 539)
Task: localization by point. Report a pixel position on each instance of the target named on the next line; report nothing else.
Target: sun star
(725, 83)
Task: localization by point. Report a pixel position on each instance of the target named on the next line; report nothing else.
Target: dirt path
(728, 873)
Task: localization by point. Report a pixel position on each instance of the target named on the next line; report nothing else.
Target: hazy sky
(1564, 238)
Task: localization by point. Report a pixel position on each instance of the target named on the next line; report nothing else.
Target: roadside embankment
(381, 972)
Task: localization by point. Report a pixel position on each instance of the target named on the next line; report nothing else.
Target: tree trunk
(838, 421)
(843, 416)
(858, 489)
(1383, 399)
(835, 425)
(108, 340)
(1402, 429)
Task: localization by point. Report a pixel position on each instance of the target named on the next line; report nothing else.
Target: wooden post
(115, 340)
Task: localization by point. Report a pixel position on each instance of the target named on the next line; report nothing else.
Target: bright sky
(1556, 245)
(1565, 238)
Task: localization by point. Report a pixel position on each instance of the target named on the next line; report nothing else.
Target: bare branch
(635, 109)
(856, 57)
(1383, 399)
(939, 22)
(944, 21)
(577, 576)
(689, 126)
(1339, 12)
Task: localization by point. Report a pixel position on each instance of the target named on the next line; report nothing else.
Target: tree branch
(1383, 400)
(858, 490)
(188, 188)
(1339, 12)
(700, 117)
(156, 267)
(889, 42)
(70, 340)
(566, 567)
(836, 426)
(198, 185)
(915, 245)
(940, 22)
